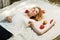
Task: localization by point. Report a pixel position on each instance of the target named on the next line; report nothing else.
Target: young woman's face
(33, 12)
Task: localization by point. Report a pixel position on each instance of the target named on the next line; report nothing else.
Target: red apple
(42, 26)
(26, 11)
(43, 11)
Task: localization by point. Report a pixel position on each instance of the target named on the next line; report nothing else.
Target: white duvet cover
(19, 28)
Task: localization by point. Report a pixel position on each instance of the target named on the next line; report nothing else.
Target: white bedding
(22, 32)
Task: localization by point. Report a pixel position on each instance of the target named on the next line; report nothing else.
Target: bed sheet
(27, 33)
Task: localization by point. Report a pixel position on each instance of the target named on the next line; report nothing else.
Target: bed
(25, 33)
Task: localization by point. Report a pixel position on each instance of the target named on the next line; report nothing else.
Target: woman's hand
(30, 24)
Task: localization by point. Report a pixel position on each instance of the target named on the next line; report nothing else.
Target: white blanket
(19, 28)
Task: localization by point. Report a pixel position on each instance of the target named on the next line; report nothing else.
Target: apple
(45, 22)
(43, 11)
(26, 11)
(42, 26)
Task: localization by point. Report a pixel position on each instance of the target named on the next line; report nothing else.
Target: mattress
(25, 33)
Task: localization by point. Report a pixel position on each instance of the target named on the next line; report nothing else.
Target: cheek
(34, 13)
(31, 14)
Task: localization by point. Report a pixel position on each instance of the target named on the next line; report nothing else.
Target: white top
(19, 18)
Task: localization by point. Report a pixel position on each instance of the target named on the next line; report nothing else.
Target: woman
(36, 13)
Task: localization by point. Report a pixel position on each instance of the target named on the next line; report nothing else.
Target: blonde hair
(39, 16)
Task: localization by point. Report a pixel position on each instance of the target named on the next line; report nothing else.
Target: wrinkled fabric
(22, 32)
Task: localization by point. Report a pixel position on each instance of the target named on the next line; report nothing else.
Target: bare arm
(41, 31)
(47, 28)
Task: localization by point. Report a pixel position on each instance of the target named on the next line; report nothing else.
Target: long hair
(39, 16)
